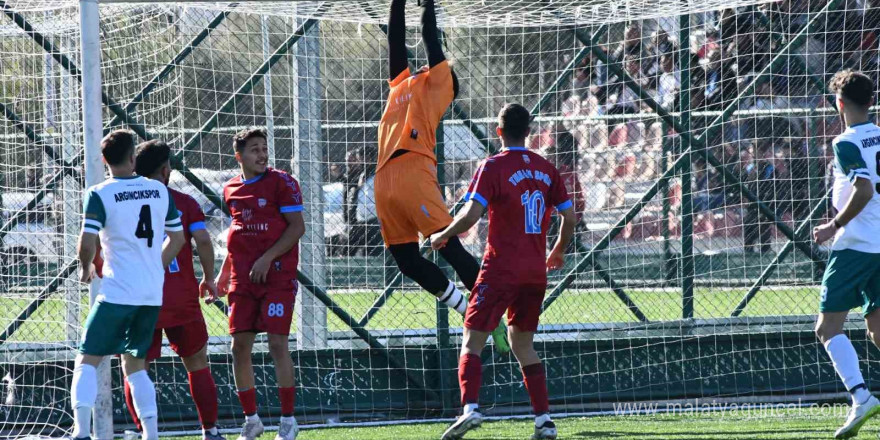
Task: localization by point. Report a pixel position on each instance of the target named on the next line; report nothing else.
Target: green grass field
(416, 310)
(797, 424)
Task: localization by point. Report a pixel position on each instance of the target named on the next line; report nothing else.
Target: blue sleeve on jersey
(197, 226)
(564, 205)
(477, 198)
(291, 208)
(94, 214)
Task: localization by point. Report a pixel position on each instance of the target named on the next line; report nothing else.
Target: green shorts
(852, 279)
(117, 328)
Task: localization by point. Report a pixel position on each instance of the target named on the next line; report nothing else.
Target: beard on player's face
(254, 157)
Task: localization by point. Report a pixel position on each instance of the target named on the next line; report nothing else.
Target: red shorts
(262, 308)
(489, 300)
(186, 339)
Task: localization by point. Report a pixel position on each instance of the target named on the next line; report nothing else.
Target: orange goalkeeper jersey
(416, 104)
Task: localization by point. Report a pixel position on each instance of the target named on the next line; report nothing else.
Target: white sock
(846, 363)
(453, 298)
(543, 418)
(470, 407)
(212, 431)
(151, 428)
(143, 393)
(83, 393)
(861, 395)
(252, 418)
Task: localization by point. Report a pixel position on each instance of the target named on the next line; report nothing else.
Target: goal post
(694, 138)
(93, 125)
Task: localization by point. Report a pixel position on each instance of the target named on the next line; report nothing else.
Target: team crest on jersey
(247, 214)
(526, 158)
(261, 203)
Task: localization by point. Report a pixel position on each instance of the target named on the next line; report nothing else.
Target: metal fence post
(444, 365)
(311, 314)
(666, 150)
(687, 206)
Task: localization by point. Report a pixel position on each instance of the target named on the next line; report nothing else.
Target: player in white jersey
(131, 215)
(852, 277)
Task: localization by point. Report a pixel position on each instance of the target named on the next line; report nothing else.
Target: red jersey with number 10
(257, 206)
(519, 188)
(180, 294)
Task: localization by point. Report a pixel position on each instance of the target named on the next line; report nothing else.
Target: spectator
(335, 173)
(563, 153)
(631, 44)
(624, 100)
(359, 214)
(757, 175)
(669, 83)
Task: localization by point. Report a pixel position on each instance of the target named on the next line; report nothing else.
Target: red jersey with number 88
(257, 206)
(519, 188)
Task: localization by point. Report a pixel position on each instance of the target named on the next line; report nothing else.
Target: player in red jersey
(519, 188)
(181, 315)
(259, 274)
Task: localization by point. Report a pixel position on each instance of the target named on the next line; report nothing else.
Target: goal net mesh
(694, 138)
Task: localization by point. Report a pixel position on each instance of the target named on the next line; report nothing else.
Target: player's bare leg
(829, 330)
(469, 378)
(523, 346)
(243, 373)
(278, 348)
(204, 392)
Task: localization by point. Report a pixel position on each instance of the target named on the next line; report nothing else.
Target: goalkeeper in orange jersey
(408, 197)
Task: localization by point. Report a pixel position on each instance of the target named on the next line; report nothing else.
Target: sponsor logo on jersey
(526, 158)
(137, 195)
(871, 142)
(261, 203)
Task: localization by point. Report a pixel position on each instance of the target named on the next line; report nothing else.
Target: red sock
(470, 374)
(248, 399)
(288, 398)
(204, 394)
(129, 402)
(536, 384)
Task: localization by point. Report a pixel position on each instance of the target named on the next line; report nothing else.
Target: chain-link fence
(696, 149)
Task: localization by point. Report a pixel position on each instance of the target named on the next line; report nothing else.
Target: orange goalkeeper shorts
(408, 199)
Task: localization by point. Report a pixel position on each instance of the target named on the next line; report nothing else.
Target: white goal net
(694, 137)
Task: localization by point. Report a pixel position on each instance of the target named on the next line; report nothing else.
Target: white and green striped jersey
(857, 156)
(131, 215)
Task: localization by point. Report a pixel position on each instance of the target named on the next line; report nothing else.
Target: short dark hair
(513, 120)
(853, 86)
(150, 156)
(240, 139)
(117, 146)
